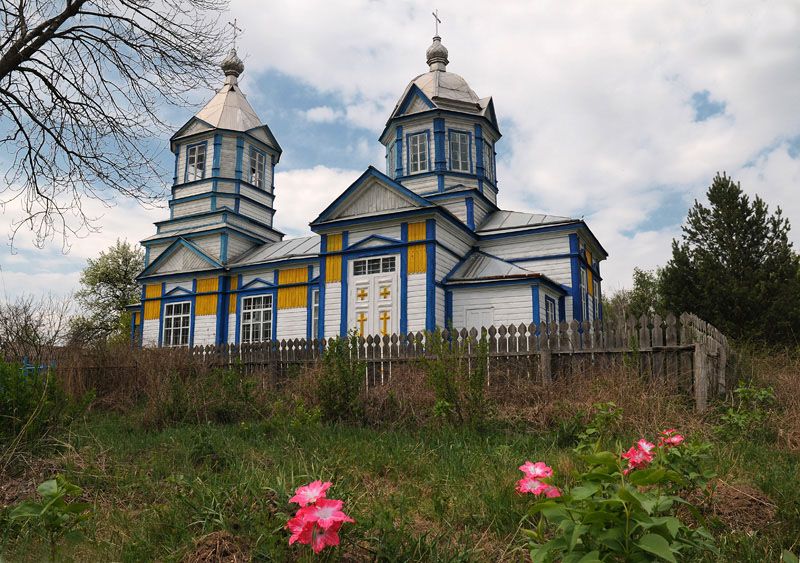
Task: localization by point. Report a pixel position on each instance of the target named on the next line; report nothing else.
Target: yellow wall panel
(232, 297)
(292, 297)
(206, 304)
(416, 231)
(417, 259)
(152, 309)
(333, 264)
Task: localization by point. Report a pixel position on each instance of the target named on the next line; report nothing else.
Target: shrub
(750, 414)
(615, 513)
(458, 380)
(341, 382)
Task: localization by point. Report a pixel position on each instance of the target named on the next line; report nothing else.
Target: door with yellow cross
(373, 296)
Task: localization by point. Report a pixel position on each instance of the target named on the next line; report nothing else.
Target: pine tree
(735, 267)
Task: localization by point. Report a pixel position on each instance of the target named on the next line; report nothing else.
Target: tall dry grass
(781, 371)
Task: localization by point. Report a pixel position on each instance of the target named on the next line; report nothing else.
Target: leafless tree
(34, 326)
(84, 88)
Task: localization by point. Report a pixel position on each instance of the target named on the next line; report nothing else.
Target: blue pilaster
(404, 279)
(536, 304)
(440, 156)
(430, 275)
(470, 204)
(398, 146)
(217, 154)
(479, 169)
(575, 267)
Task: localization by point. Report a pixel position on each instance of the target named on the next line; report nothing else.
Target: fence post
(546, 366)
(700, 376)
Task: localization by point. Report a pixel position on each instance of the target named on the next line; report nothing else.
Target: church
(419, 245)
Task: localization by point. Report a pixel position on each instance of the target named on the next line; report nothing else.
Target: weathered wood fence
(686, 348)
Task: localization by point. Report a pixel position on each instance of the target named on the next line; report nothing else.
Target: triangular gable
(264, 134)
(193, 126)
(180, 256)
(373, 193)
(414, 101)
(374, 240)
(489, 112)
(178, 290)
(257, 282)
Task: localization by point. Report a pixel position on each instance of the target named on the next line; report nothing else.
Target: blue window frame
(550, 314)
(460, 153)
(419, 157)
(256, 318)
(195, 168)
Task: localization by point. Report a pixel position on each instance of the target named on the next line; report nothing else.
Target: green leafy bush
(750, 414)
(54, 517)
(341, 383)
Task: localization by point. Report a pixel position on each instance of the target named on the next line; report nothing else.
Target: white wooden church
(417, 246)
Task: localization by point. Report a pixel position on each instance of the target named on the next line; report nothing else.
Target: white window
(256, 323)
(257, 167)
(374, 266)
(418, 153)
(315, 314)
(195, 162)
(391, 160)
(459, 151)
(177, 323)
(549, 311)
(488, 161)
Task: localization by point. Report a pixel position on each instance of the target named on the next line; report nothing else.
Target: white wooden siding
(150, 332)
(192, 189)
(191, 207)
(545, 292)
(227, 161)
(232, 327)
(209, 245)
(416, 303)
(440, 320)
(291, 323)
(445, 262)
(457, 241)
(180, 261)
(480, 210)
(255, 212)
(510, 304)
(524, 246)
(184, 284)
(373, 198)
(333, 309)
(155, 252)
(205, 330)
(266, 275)
(237, 246)
(457, 207)
(557, 269)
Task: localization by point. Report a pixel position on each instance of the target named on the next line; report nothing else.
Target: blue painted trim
(430, 276)
(275, 309)
(404, 215)
(273, 145)
(255, 281)
(581, 259)
(206, 195)
(448, 173)
(195, 216)
(536, 305)
(404, 279)
(370, 238)
(479, 169)
(276, 263)
(177, 155)
(400, 119)
(568, 226)
(497, 283)
(429, 169)
(450, 132)
(370, 172)
(470, 204)
(223, 248)
(458, 193)
(273, 293)
(414, 92)
(176, 291)
(172, 248)
(448, 308)
(141, 327)
(343, 320)
(172, 300)
(204, 144)
(223, 284)
(440, 158)
(309, 302)
(562, 309)
(575, 269)
(222, 229)
(217, 154)
(399, 148)
(272, 175)
(239, 156)
(323, 249)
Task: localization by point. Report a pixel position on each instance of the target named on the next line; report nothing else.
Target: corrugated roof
(501, 220)
(290, 248)
(229, 109)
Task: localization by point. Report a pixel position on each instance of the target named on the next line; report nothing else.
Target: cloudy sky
(620, 112)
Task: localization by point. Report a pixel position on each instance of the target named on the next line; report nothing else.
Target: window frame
(204, 145)
(489, 171)
(171, 316)
(314, 314)
(450, 134)
(382, 263)
(548, 303)
(426, 134)
(255, 152)
(391, 159)
(262, 324)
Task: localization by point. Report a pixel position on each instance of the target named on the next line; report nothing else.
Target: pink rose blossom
(674, 440)
(324, 512)
(529, 485)
(645, 446)
(309, 494)
(638, 456)
(552, 492)
(319, 538)
(668, 432)
(536, 470)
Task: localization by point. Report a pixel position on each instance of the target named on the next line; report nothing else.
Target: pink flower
(309, 494)
(536, 470)
(638, 457)
(552, 492)
(645, 446)
(319, 538)
(325, 512)
(297, 525)
(674, 440)
(668, 432)
(530, 485)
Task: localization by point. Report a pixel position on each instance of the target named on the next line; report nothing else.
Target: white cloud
(323, 114)
(594, 98)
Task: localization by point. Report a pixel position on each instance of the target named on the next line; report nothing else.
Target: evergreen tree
(108, 285)
(734, 267)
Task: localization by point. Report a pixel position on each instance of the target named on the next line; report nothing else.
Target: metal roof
(229, 109)
(291, 248)
(482, 266)
(502, 220)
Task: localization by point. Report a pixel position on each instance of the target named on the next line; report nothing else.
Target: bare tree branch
(84, 85)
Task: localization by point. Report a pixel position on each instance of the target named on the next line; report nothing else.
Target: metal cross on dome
(236, 30)
(436, 19)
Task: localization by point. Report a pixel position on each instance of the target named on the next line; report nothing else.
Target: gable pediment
(180, 256)
(414, 101)
(373, 193)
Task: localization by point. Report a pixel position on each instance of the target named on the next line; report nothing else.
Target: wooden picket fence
(685, 347)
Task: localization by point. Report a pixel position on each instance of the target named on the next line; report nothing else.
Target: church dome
(445, 85)
(232, 65)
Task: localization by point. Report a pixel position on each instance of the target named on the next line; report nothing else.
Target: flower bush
(622, 508)
(318, 520)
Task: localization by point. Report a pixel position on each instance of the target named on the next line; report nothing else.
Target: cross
(236, 29)
(362, 318)
(437, 21)
(384, 319)
(362, 294)
(385, 292)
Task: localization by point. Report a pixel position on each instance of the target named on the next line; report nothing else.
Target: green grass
(434, 494)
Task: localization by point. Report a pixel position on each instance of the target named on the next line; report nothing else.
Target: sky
(617, 112)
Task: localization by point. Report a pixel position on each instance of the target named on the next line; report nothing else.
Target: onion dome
(437, 55)
(232, 65)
